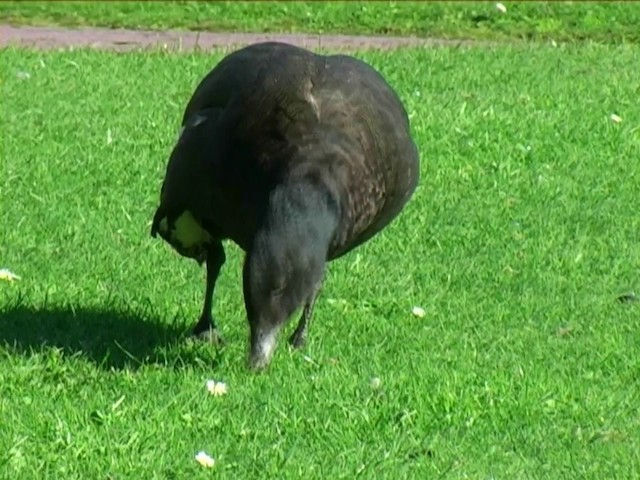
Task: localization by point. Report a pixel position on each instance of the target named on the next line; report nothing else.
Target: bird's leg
(206, 328)
(299, 336)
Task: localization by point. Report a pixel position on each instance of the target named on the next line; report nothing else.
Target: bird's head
(184, 187)
(183, 233)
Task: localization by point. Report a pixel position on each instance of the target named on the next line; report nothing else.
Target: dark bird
(296, 157)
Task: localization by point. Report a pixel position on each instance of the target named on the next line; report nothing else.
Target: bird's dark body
(296, 157)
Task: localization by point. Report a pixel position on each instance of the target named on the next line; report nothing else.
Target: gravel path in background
(126, 40)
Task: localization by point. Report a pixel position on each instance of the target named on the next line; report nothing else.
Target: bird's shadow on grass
(111, 338)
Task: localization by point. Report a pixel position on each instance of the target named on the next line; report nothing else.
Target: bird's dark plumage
(296, 157)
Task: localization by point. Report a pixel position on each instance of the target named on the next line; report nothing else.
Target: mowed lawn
(523, 232)
(608, 22)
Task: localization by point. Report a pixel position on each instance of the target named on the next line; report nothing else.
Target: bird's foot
(206, 331)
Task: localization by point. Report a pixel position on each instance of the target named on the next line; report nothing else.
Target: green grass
(522, 233)
(611, 22)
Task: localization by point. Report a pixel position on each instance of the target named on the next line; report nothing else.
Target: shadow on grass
(112, 339)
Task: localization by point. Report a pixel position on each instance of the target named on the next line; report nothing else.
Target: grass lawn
(611, 22)
(521, 235)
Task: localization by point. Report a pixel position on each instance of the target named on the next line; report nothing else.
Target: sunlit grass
(521, 235)
(610, 22)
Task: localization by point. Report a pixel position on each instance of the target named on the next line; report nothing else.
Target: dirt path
(125, 40)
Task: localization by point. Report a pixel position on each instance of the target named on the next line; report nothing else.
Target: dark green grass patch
(521, 235)
(561, 21)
